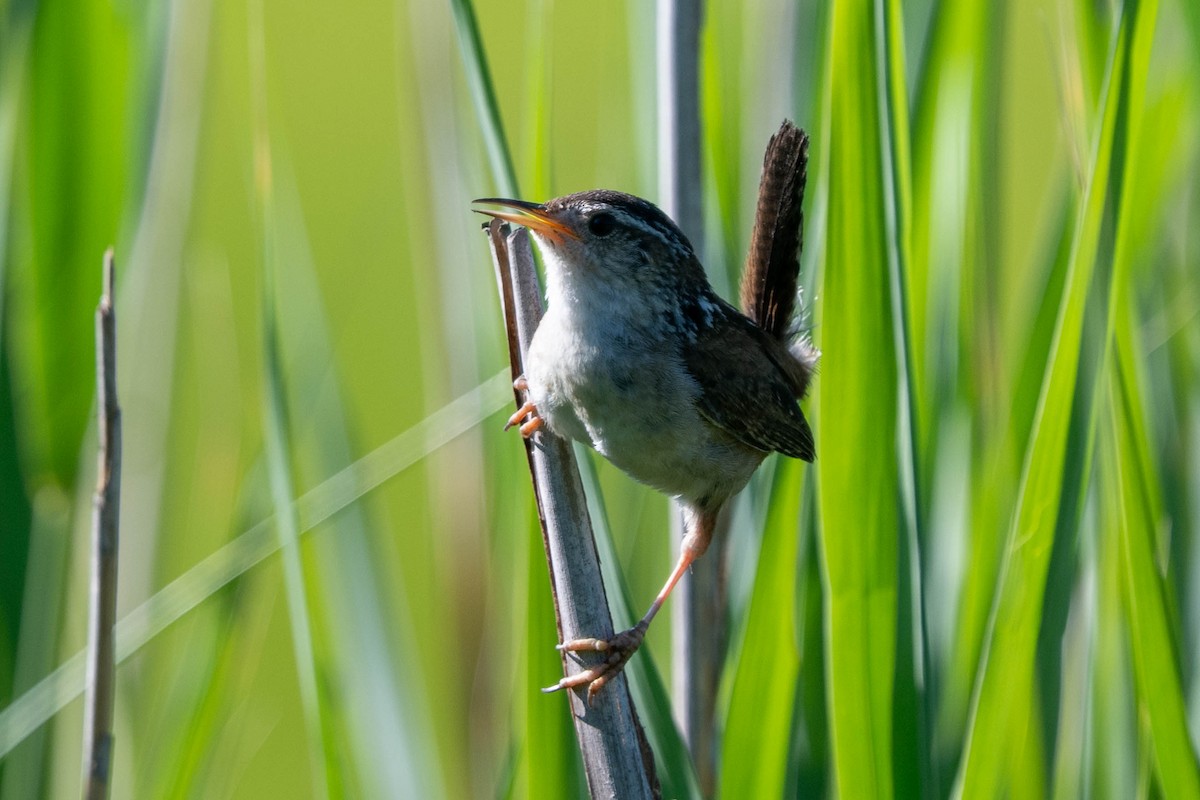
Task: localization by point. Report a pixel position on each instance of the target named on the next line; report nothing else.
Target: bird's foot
(617, 651)
(528, 413)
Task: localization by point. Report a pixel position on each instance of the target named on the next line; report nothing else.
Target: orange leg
(624, 644)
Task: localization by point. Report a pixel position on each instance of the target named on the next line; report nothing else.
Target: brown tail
(769, 280)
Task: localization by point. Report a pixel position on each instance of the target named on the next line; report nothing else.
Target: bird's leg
(624, 644)
(534, 422)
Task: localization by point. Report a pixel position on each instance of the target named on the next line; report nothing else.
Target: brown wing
(749, 395)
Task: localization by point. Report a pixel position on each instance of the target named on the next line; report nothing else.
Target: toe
(583, 645)
(534, 424)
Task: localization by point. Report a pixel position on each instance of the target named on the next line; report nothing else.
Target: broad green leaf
(857, 426)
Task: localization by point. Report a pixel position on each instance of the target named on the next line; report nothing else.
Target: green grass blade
(16, 34)
(756, 744)
(1153, 646)
(288, 530)
(913, 702)
(382, 733)
(809, 765)
(1005, 696)
(276, 444)
(48, 551)
(945, 194)
(487, 111)
(951, 324)
(1110, 757)
(856, 431)
(1067, 780)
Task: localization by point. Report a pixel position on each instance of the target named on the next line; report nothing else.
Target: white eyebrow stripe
(649, 226)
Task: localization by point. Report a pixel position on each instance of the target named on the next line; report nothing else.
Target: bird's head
(607, 237)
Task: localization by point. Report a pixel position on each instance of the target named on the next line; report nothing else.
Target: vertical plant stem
(276, 442)
(288, 529)
(98, 720)
(679, 183)
(479, 79)
(699, 598)
(911, 742)
(616, 756)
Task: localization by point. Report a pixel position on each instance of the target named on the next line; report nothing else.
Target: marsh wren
(640, 359)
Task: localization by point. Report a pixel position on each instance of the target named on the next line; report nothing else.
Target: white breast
(601, 380)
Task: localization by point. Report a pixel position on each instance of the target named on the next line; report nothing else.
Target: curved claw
(527, 410)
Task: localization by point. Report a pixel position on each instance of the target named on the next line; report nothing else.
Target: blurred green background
(303, 294)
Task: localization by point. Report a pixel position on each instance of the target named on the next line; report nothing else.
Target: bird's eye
(602, 224)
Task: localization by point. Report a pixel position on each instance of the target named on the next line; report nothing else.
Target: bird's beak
(531, 215)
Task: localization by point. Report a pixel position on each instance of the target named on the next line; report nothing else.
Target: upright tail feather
(772, 271)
